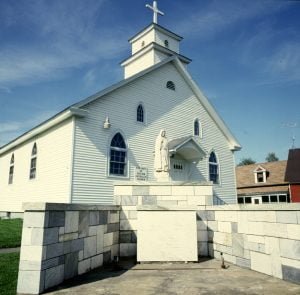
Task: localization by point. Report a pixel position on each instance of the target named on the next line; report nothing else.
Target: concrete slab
(206, 277)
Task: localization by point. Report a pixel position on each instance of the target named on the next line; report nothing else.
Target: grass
(9, 264)
(10, 233)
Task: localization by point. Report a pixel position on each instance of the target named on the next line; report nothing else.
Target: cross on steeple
(156, 11)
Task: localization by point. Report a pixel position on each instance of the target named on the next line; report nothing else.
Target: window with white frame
(11, 169)
(32, 172)
(213, 168)
(118, 156)
(260, 175)
(140, 114)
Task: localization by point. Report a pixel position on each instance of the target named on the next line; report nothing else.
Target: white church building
(78, 155)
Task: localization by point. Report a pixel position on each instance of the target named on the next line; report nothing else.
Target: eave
(157, 47)
(60, 117)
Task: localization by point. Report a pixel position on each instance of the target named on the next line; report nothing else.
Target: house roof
(275, 174)
(292, 174)
(74, 109)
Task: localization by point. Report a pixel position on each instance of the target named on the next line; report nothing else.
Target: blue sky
(246, 59)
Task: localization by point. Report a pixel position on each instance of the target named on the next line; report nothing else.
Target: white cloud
(61, 35)
(284, 64)
(218, 16)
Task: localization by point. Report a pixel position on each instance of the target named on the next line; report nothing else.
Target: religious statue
(161, 161)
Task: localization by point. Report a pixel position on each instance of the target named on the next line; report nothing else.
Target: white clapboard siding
(53, 174)
(174, 111)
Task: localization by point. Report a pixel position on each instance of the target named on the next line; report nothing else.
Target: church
(153, 126)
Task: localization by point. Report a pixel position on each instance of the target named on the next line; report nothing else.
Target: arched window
(11, 169)
(213, 168)
(196, 128)
(140, 113)
(32, 172)
(167, 43)
(170, 85)
(118, 156)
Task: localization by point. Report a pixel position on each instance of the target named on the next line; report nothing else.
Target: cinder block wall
(60, 241)
(263, 238)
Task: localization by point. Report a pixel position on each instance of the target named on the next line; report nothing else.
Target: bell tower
(152, 45)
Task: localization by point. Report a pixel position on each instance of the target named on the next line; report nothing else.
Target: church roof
(233, 143)
(74, 110)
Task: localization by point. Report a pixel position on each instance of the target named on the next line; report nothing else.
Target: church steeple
(152, 45)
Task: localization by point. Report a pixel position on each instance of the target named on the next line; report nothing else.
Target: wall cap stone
(68, 207)
(166, 208)
(260, 207)
(171, 184)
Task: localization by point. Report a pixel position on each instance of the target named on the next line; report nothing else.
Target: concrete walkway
(206, 277)
(9, 250)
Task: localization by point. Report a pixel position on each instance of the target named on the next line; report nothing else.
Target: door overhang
(187, 148)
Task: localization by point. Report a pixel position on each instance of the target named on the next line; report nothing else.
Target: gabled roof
(292, 174)
(259, 168)
(72, 110)
(187, 147)
(275, 174)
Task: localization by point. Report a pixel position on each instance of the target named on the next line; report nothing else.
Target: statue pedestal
(162, 176)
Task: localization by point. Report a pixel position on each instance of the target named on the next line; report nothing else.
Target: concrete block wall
(132, 196)
(262, 238)
(60, 241)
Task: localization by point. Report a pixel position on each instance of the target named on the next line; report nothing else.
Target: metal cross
(156, 11)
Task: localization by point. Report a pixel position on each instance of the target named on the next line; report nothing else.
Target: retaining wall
(60, 241)
(264, 238)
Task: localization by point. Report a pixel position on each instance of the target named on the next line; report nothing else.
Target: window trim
(218, 183)
(140, 104)
(11, 168)
(127, 168)
(200, 128)
(260, 169)
(33, 159)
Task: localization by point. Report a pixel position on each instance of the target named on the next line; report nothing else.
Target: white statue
(161, 160)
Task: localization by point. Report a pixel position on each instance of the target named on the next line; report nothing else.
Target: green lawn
(10, 233)
(9, 265)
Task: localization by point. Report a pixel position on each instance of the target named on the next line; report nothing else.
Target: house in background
(271, 182)
(262, 183)
(292, 175)
(78, 155)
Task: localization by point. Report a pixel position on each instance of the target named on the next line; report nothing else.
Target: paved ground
(197, 278)
(9, 250)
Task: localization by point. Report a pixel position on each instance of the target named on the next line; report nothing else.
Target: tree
(246, 161)
(271, 157)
